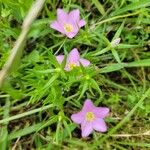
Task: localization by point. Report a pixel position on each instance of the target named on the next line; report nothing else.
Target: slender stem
(114, 18)
(25, 114)
(61, 46)
(3, 130)
(6, 109)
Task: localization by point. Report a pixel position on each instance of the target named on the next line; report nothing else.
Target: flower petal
(84, 62)
(99, 125)
(81, 23)
(75, 15)
(73, 56)
(75, 28)
(88, 106)
(86, 128)
(71, 34)
(60, 58)
(72, 59)
(62, 16)
(67, 68)
(55, 25)
(78, 117)
(101, 112)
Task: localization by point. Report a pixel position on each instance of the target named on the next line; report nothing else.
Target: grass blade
(133, 6)
(99, 6)
(139, 63)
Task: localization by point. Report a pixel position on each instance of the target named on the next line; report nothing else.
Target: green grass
(38, 97)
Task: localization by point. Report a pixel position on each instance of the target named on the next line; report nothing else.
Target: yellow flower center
(68, 27)
(72, 65)
(90, 116)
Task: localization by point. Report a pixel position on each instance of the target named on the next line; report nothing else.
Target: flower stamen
(90, 116)
(72, 65)
(68, 27)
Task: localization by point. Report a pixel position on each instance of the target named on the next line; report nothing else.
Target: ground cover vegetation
(78, 77)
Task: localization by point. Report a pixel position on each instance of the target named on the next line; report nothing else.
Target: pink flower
(68, 23)
(73, 60)
(91, 118)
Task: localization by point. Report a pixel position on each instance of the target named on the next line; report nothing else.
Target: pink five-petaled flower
(91, 118)
(73, 60)
(68, 23)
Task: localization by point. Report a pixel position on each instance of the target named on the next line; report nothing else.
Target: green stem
(25, 114)
(114, 18)
(3, 130)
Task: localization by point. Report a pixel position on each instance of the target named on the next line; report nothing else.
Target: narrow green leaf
(118, 33)
(111, 68)
(3, 130)
(18, 116)
(53, 59)
(25, 131)
(84, 88)
(95, 86)
(3, 138)
(44, 89)
(139, 63)
(126, 46)
(34, 56)
(116, 55)
(51, 120)
(135, 144)
(132, 6)
(67, 129)
(99, 6)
